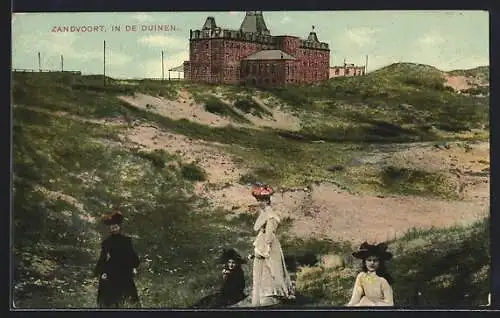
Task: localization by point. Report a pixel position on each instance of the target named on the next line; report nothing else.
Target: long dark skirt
(117, 293)
(218, 300)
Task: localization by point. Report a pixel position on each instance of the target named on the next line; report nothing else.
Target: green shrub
(408, 181)
(193, 172)
(157, 157)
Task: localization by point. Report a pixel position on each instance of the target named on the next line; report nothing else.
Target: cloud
(143, 17)
(464, 63)
(431, 39)
(361, 36)
(164, 41)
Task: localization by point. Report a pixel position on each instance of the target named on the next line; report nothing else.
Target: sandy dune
(186, 108)
(325, 210)
(460, 82)
(219, 166)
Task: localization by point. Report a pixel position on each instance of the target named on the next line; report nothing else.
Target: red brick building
(251, 55)
(347, 70)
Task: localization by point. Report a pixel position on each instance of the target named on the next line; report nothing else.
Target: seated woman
(233, 282)
(373, 285)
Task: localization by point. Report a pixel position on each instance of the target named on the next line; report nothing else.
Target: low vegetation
(67, 174)
(69, 168)
(439, 267)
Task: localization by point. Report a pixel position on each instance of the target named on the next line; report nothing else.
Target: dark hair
(381, 270)
(264, 198)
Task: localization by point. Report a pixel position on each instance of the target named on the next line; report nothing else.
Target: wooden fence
(160, 79)
(27, 70)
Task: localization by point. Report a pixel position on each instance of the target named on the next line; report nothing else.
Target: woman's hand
(134, 271)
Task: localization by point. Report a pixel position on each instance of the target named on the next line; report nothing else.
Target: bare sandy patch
(184, 108)
(280, 118)
(464, 157)
(327, 211)
(210, 156)
(458, 83)
(356, 218)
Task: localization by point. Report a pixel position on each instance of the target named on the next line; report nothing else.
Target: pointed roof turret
(254, 23)
(209, 24)
(312, 36)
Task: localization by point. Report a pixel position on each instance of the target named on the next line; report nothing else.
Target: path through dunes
(327, 211)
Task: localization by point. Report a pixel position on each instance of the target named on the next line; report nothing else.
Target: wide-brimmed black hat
(231, 253)
(379, 250)
(113, 218)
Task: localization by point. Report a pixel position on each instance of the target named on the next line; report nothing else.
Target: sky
(445, 39)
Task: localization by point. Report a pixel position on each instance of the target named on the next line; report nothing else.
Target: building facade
(347, 70)
(251, 55)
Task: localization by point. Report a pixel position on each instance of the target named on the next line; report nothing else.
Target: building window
(336, 71)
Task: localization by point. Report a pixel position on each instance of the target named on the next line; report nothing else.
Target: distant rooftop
(179, 68)
(270, 55)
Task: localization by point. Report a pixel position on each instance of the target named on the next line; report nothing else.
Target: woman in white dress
(271, 281)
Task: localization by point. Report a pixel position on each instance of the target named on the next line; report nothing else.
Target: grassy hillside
(69, 171)
(69, 168)
(401, 102)
(481, 73)
(448, 268)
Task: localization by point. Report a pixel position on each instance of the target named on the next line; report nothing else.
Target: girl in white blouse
(373, 285)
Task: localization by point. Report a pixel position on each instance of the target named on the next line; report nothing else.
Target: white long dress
(271, 280)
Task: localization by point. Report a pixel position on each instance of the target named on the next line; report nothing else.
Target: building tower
(254, 23)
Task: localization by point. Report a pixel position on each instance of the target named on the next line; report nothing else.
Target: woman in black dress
(116, 267)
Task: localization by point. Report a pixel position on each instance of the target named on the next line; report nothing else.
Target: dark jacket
(231, 291)
(117, 261)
